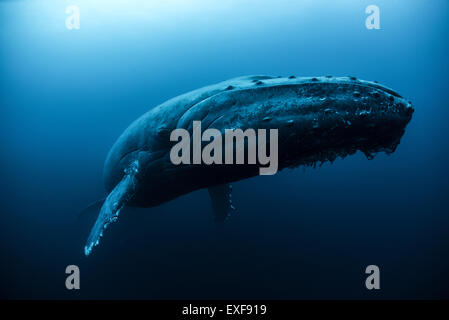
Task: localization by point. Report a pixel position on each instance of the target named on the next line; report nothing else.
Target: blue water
(66, 95)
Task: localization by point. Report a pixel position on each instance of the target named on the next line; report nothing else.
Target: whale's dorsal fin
(221, 197)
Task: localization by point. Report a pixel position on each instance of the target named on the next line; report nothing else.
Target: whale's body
(318, 119)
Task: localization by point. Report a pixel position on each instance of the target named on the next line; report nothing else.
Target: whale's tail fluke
(114, 202)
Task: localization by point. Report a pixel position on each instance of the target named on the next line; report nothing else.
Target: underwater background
(66, 95)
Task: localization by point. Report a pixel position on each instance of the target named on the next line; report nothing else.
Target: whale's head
(328, 117)
(318, 118)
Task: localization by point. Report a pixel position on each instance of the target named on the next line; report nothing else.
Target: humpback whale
(318, 119)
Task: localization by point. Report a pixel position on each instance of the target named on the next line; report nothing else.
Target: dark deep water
(66, 95)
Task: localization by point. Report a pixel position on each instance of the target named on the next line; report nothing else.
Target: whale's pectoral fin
(221, 197)
(114, 202)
